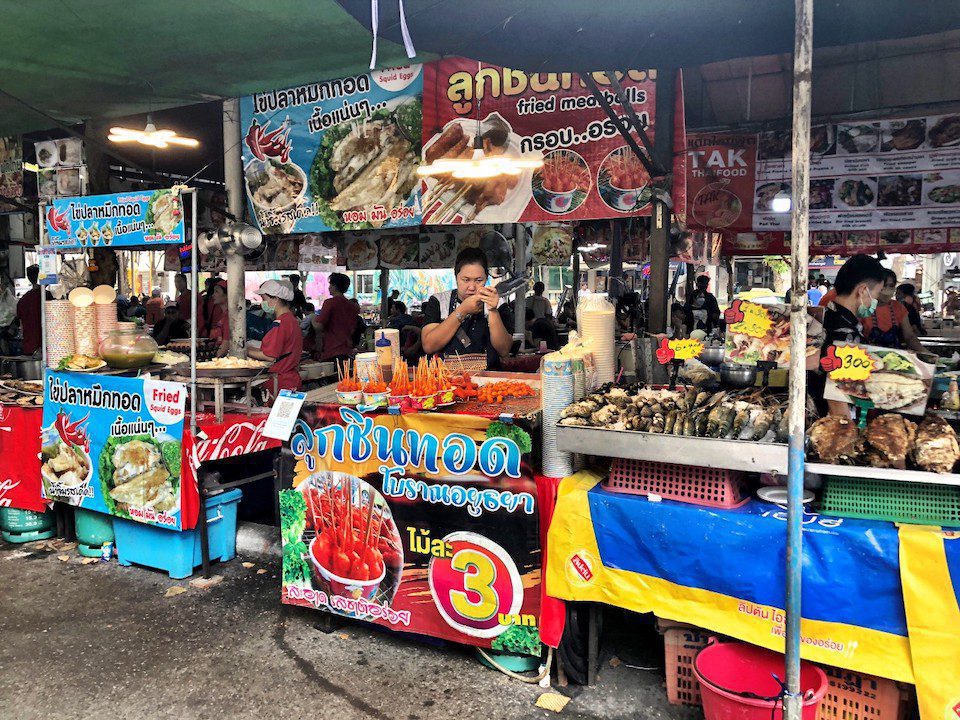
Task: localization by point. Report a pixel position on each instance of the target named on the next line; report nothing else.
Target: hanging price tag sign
(747, 318)
(847, 363)
(684, 349)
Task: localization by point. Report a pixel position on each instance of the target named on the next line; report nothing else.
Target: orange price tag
(686, 349)
(847, 362)
(755, 321)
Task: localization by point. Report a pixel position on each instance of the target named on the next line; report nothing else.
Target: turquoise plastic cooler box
(178, 553)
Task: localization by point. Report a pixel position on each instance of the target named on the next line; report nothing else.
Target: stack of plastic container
(556, 394)
(596, 323)
(60, 325)
(106, 319)
(85, 330)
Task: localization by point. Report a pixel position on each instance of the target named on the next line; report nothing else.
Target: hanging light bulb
(781, 202)
(150, 136)
(479, 166)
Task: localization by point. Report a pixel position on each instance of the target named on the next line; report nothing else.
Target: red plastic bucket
(737, 683)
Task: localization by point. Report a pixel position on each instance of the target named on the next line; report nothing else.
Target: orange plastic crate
(680, 646)
(857, 696)
(712, 487)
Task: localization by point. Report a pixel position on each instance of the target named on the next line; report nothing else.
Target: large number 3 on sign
(474, 586)
(479, 577)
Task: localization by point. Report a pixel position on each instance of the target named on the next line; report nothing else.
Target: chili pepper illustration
(72, 433)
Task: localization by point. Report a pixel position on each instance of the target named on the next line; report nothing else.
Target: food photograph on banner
(335, 155)
(114, 445)
(428, 526)
(11, 172)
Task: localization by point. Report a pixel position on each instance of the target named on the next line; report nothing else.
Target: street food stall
(683, 509)
(108, 429)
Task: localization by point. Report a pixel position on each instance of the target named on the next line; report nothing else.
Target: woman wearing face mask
(890, 325)
(283, 343)
(858, 287)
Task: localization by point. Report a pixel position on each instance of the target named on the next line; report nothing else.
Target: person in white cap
(283, 343)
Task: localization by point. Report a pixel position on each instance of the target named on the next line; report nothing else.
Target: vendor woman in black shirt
(858, 287)
(467, 321)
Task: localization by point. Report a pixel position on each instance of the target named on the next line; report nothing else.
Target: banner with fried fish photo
(339, 154)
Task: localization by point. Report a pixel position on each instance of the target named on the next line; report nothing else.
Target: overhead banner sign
(421, 523)
(334, 155)
(343, 154)
(588, 172)
(114, 445)
(127, 219)
(886, 184)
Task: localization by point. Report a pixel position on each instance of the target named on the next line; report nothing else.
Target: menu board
(883, 175)
(420, 523)
(11, 172)
(588, 170)
(884, 184)
(126, 219)
(62, 170)
(114, 445)
(334, 155)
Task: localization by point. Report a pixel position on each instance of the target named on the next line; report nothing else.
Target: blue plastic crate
(178, 553)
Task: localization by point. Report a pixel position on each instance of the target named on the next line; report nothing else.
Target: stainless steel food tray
(681, 450)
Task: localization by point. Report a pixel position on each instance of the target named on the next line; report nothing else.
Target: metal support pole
(575, 285)
(42, 230)
(384, 297)
(660, 222)
(799, 259)
(202, 516)
(615, 275)
(520, 266)
(233, 178)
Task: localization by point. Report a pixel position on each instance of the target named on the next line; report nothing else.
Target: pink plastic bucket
(737, 683)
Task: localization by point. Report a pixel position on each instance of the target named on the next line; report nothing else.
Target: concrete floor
(102, 641)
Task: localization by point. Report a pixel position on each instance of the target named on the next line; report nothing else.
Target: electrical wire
(517, 676)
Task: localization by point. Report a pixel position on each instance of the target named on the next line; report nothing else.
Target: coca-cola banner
(20, 458)
(588, 169)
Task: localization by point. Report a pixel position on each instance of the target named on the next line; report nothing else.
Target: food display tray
(244, 373)
(872, 473)
(677, 449)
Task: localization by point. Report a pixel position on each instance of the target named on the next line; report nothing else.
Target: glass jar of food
(128, 347)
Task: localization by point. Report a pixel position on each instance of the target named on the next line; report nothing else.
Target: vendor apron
(892, 338)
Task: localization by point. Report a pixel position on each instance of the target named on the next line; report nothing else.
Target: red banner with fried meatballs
(588, 170)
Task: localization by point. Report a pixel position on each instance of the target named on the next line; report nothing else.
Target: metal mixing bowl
(712, 355)
(738, 375)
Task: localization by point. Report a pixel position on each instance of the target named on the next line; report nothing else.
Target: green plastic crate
(906, 502)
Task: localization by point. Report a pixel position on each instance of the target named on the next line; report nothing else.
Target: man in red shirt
(336, 321)
(154, 307)
(283, 343)
(183, 296)
(28, 313)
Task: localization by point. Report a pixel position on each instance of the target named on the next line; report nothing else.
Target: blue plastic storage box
(178, 553)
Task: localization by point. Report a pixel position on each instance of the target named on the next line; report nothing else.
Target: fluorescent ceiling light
(150, 136)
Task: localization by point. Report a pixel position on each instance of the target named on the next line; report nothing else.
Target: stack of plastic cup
(596, 323)
(556, 393)
(106, 320)
(61, 342)
(85, 330)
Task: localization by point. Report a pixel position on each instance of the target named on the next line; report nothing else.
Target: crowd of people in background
(334, 329)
